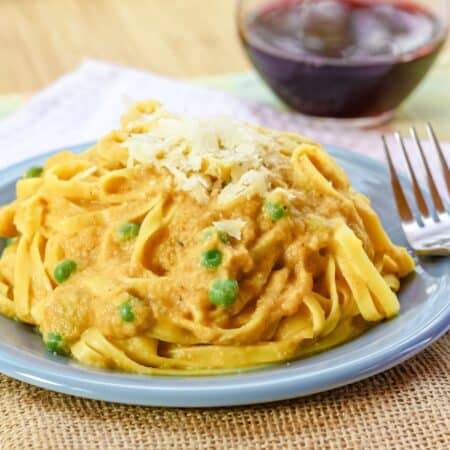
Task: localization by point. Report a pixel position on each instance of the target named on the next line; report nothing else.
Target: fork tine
(444, 166)
(423, 208)
(437, 200)
(402, 204)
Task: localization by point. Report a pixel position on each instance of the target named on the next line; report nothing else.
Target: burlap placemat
(406, 407)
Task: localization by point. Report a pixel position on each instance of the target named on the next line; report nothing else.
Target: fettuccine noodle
(180, 245)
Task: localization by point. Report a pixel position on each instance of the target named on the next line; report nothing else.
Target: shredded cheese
(231, 227)
(202, 152)
(251, 183)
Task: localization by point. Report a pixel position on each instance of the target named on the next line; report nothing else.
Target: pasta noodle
(189, 246)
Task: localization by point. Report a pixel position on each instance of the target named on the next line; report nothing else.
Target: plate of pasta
(188, 262)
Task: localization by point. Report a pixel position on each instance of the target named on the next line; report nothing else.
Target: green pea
(128, 231)
(276, 211)
(210, 232)
(224, 237)
(223, 292)
(64, 270)
(33, 172)
(211, 259)
(126, 312)
(55, 344)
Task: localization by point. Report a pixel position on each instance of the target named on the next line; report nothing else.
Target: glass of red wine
(352, 61)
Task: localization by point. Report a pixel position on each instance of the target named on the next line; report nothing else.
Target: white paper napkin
(87, 103)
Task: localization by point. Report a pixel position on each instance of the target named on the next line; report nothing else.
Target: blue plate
(424, 316)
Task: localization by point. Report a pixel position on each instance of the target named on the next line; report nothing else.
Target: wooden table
(42, 39)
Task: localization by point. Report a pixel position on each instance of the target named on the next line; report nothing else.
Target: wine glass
(351, 61)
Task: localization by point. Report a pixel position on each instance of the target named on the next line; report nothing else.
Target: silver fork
(431, 234)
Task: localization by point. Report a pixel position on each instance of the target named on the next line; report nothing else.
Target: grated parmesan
(199, 152)
(231, 227)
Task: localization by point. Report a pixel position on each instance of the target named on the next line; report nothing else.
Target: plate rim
(76, 381)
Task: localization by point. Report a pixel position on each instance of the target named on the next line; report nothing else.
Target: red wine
(342, 58)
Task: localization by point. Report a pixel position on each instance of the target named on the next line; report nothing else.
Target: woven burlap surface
(406, 407)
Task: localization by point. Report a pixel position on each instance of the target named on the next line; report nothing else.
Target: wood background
(42, 39)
